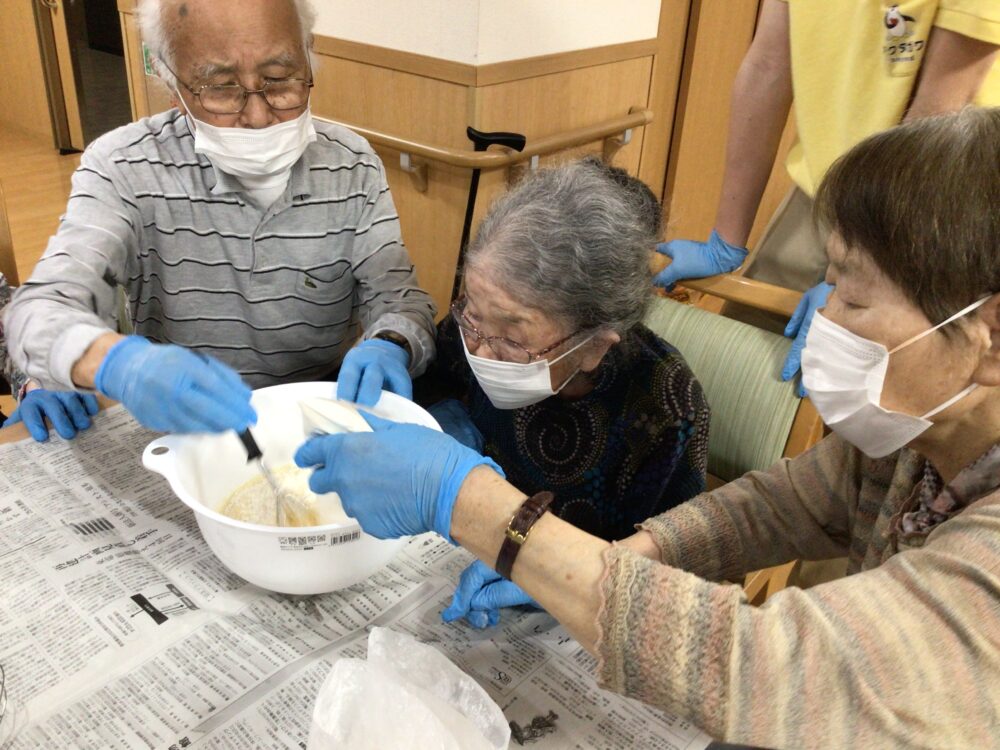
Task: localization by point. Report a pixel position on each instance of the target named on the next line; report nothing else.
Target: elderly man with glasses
(254, 243)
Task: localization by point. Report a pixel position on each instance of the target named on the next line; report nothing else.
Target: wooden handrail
(746, 291)
(487, 160)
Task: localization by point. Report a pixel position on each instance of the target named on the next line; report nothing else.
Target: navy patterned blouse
(633, 447)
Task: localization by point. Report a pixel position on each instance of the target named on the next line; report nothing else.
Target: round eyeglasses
(506, 349)
(231, 98)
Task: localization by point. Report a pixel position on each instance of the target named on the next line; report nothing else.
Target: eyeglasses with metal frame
(506, 349)
(231, 98)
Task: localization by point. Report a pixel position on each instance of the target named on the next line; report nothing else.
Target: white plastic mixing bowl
(204, 470)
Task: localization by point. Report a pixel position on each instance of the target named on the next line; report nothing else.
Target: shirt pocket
(326, 284)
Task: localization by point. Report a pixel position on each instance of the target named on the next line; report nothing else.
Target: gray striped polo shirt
(278, 295)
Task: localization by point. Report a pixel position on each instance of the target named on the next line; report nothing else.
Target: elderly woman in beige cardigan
(905, 652)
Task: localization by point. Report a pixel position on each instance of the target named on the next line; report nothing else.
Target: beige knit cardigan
(904, 652)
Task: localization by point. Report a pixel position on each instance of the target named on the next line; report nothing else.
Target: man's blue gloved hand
(400, 480)
(455, 421)
(798, 329)
(68, 411)
(481, 594)
(371, 366)
(696, 260)
(171, 389)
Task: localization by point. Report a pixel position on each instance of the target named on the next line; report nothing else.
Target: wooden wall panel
(411, 106)
(560, 102)
(711, 59)
(422, 109)
(431, 224)
(664, 85)
(22, 78)
(719, 35)
(555, 103)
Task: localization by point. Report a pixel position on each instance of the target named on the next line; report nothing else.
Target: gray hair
(573, 242)
(156, 33)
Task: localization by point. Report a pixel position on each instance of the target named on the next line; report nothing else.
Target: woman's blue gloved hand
(696, 260)
(371, 366)
(481, 594)
(455, 421)
(171, 389)
(400, 480)
(798, 329)
(68, 411)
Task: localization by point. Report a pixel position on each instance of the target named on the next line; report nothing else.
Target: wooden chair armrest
(761, 584)
(746, 291)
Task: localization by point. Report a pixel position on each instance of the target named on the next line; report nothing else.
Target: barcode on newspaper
(344, 538)
(93, 526)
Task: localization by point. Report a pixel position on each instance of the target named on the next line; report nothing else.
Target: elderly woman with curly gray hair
(548, 368)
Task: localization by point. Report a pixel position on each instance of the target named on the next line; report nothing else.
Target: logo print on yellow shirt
(896, 23)
(902, 49)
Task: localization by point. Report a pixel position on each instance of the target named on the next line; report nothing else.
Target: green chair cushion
(739, 368)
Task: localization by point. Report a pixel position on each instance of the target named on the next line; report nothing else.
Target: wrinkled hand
(171, 389)
(399, 480)
(371, 366)
(455, 421)
(68, 411)
(696, 260)
(798, 329)
(481, 594)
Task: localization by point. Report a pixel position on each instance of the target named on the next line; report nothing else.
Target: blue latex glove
(171, 389)
(400, 480)
(68, 411)
(798, 329)
(371, 366)
(455, 421)
(481, 594)
(696, 260)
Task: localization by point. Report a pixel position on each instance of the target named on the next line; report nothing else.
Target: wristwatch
(395, 338)
(518, 529)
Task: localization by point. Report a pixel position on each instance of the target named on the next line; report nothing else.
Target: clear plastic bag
(407, 694)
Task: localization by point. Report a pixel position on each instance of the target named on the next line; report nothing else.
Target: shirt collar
(301, 180)
(936, 502)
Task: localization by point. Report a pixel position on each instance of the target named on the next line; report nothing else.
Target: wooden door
(58, 49)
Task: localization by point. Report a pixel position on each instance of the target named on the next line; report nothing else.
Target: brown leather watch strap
(517, 530)
(394, 338)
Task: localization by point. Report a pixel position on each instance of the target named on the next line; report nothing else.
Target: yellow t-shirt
(855, 65)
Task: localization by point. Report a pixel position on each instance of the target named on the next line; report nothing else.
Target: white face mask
(261, 156)
(845, 373)
(511, 385)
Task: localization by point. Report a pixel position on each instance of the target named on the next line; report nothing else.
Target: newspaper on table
(120, 629)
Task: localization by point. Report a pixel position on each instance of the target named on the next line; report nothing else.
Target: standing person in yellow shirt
(853, 68)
